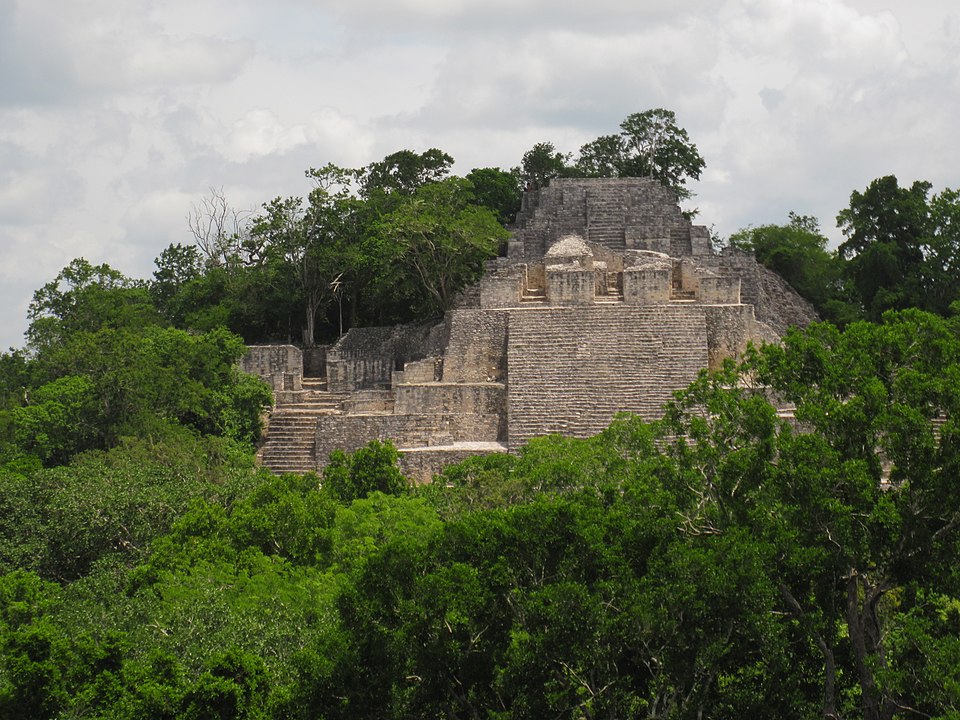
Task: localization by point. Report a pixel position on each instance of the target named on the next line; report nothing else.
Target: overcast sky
(116, 116)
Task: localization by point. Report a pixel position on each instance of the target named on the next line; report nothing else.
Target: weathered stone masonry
(609, 299)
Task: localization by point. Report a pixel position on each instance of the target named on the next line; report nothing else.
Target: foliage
(886, 227)
(434, 243)
(902, 246)
(373, 468)
(58, 522)
(661, 149)
(798, 253)
(540, 164)
(82, 299)
(650, 144)
(725, 560)
(103, 365)
(496, 190)
(404, 171)
(59, 421)
(179, 271)
(720, 561)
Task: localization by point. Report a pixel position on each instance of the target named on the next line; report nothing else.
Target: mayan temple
(609, 299)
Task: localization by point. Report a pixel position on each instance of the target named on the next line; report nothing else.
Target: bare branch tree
(218, 230)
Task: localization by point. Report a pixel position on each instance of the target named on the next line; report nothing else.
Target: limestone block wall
(720, 289)
(604, 210)
(477, 347)
(680, 241)
(570, 286)
(779, 305)
(368, 401)
(546, 215)
(468, 297)
(440, 398)
(502, 288)
(613, 260)
(775, 302)
(641, 239)
(729, 329)
(348, 371)
(690, 272)
(572, 369)
(366, 358)
(418, 371)
(646, 286)
(700, 240)
(740, 264)
(421, 464)
(536, 275)
(350, 432)
(279, 365)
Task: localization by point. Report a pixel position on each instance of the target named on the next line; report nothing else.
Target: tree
(437, 240)
(657, 147)
(59, 419)
(301, 250)
(178, 268)
(604, 157)
(798, 253)
(373, 468)
(866, 504)
(104, 366)
(887, 230)
(496, 190)
(941, 264)
(218, 229)
(540, 164)
(86, 298)
(650, 144)
(334, 232)
(404, 171)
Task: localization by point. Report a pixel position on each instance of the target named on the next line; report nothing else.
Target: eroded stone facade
(609, 300)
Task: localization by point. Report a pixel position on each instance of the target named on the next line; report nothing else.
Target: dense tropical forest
(726, 561)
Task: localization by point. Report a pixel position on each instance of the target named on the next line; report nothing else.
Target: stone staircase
(601, 210)
(613, 291)
(573, 369)
(534, 295)
(605, 218)
(290, 439)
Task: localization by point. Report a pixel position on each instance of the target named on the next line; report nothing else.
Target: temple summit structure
(609, 300)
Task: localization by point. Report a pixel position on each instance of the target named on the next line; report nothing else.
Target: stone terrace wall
(421, 464)
(477, 349)
(279, 365)
(573, 369)
(350, 432)
(548, 214)
(365, 358)
(729, 329)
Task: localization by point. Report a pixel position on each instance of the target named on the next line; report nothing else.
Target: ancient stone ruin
(609, 300)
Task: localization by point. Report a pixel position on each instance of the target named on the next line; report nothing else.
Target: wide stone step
(307, 408)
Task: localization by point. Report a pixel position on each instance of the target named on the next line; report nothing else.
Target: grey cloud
(792, 104)
(506, 18)
(81, 52)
